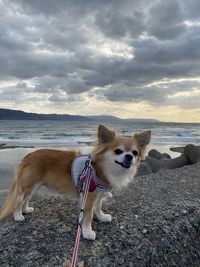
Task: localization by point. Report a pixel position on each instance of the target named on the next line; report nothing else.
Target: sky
(131, 59)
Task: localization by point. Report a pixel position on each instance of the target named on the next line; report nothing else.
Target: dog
(114, 159)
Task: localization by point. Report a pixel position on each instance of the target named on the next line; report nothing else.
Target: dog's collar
(77, 168)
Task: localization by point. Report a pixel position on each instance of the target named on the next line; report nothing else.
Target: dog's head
(119, 156)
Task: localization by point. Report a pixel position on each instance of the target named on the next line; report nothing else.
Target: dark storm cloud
(166, 20)
(117, 25)
(72, 47)
(191, 9)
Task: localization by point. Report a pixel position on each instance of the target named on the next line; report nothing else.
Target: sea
(66, 135)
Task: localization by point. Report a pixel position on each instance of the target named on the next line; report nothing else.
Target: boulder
(156, 160)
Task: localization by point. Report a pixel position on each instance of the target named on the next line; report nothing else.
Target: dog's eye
(118, 151)
(135, 153)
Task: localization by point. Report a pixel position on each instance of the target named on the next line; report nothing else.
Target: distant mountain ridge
(10, 114)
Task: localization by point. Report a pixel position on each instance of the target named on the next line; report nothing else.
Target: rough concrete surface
(156, 222)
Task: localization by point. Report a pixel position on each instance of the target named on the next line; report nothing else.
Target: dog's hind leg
(25, 208)
(18, 216)
(23, 201)
(22, 204)
(27, 183)
(27, 179)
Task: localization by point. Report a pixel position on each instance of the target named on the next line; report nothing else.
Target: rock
(154, 164)
(144, 231)
(184, 211)
(156, 161)
(120, 261)
(81, 264)
(192, 153)
(105, 261)
(144, 169)
(155, 154)
(43, 251)
(166, 156)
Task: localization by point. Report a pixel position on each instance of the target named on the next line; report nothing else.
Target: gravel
(156, 222)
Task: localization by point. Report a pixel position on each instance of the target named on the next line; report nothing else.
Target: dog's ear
(105, 135)
(142, 139)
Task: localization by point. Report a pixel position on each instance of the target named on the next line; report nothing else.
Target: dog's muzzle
(128, 160)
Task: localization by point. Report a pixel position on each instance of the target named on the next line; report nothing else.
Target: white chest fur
(117, 176)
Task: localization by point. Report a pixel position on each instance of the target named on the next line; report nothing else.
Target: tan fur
(9, 203)
(52, 168)
(45, 167)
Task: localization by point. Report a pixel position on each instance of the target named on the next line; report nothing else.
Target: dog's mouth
(125, 164)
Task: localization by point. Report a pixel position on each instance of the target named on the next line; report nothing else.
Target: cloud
(184, 94)
(191, 9)
(116, 51)
(166, 20)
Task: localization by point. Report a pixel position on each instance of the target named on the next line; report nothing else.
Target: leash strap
(82, 181)
(85, 179)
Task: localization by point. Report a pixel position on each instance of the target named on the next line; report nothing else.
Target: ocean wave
(38, 133)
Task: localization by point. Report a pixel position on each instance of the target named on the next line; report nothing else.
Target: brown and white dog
(114, 158)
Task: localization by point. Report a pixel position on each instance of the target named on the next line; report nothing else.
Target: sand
(156, 222)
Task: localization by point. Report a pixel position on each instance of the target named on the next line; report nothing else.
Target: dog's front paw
(88, 233)
(28, 210)
(104, 217)
(18, 217)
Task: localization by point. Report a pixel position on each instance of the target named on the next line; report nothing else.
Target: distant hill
(108, 118)
(141, 120)
(105, 118)
(9, 114)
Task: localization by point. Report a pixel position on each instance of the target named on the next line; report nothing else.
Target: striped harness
(79, 172)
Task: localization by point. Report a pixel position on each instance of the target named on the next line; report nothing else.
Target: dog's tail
(10, 203)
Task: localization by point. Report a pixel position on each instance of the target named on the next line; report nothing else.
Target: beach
(156, 222)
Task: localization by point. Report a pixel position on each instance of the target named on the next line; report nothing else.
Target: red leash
(85, 179)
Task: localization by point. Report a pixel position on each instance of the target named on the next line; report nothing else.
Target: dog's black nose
(128, 157)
